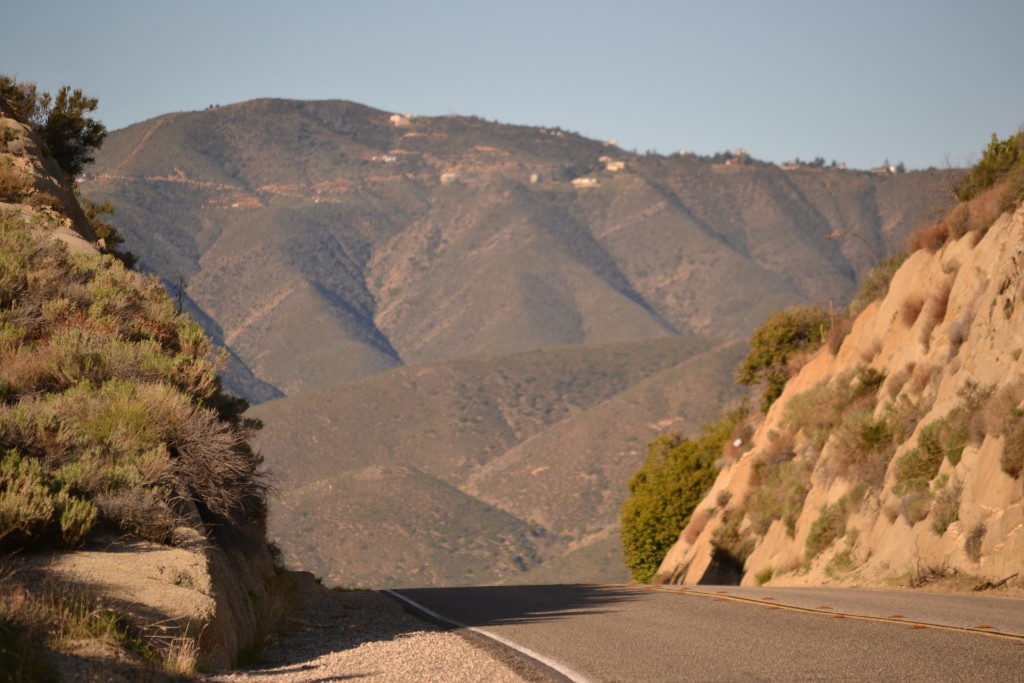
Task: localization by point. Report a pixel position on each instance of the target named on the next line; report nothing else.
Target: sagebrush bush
(15, 184)
(827, 528)
(863, 445)
(947, 507)
(111, 413)
(779, 490)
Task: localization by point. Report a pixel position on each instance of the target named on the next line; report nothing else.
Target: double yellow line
(825, 610)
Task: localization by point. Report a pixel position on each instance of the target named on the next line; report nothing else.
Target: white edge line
(547, 661)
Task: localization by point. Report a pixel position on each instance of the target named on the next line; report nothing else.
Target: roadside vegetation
(113, 423)
(666, 489)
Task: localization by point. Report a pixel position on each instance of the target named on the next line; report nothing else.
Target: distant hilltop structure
(401, 120)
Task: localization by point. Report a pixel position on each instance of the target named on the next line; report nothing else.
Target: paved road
(623, 633)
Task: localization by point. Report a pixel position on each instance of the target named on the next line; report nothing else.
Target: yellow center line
(772, 603)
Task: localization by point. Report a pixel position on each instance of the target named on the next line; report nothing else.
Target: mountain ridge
(340, 251)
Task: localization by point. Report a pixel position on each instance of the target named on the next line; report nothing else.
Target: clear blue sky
(918, 81)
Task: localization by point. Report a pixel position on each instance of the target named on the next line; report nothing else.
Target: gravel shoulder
(366, 635)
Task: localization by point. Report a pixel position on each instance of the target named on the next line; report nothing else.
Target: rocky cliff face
(896, 459)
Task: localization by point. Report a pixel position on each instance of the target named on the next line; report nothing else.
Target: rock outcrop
(897, 458)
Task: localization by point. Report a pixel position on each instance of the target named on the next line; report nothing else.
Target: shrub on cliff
(666, 489)
(1002, 161)
(776, 343)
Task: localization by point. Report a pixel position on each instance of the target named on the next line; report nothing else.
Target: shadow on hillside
(496, 605)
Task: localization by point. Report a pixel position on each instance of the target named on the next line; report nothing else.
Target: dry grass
(930, 237)
(838, 333)
(15, 185)
(911, 309)
(40, 619)
(696, 526)
(920, 378)
(935, 311)
(897, 380)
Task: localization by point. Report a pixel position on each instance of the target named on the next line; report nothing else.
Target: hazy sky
(918, 81)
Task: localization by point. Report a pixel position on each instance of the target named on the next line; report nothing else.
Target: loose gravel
(368, 636)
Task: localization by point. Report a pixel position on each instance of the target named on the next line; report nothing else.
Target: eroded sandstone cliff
(895, 457)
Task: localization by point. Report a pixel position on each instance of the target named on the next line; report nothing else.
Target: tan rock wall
(978, 339)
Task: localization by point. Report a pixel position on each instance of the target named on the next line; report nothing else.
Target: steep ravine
(896, 460)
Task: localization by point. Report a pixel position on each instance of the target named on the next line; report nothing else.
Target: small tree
(71, 135)
(63, 121)
(23, 100)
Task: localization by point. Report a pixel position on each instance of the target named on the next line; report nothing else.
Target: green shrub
(779, 338)
(915, 469)
(827, 528)
(27, 506)
(1001, 160)
(778, 493)
(840, 564)
(113, 415)
(764, 576)
(664, 492)
(946, 437)
(947, 507)
(915, 506)
(77, 518)
(71, 135)
(863, 445)
(816, 411)
(110, 239)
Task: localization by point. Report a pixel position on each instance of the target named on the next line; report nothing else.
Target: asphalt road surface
(625, 633)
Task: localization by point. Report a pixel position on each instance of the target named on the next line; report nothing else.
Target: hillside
(898, 458)
(327, 243)
(381, 282)
(132, 509)
(537, 441)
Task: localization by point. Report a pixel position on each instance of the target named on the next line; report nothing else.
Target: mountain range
(461, 334)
